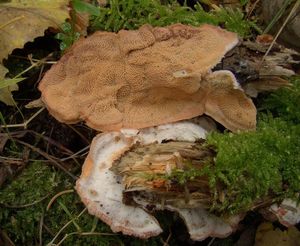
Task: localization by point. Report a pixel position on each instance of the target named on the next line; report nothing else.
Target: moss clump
(17, 216)
(255, 165)
(124, 14)
(23, 205)
(285, 103)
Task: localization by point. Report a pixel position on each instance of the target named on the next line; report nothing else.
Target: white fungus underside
(288, 212)
(101, 190)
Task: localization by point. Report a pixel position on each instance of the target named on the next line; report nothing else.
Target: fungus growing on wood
(103, 190)
(288, 212)
(147, 77)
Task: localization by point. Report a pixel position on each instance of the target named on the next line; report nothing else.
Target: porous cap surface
(135, 79)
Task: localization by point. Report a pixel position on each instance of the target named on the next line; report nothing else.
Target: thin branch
(75, 154)
(211, 241)
(48, 157)
(56, 196)
(252, 9)
(35, 60)
(79, 134)
(166, 243)
(25, 123)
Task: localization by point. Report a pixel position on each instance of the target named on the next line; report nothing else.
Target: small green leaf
(81, 6)
(244, 2)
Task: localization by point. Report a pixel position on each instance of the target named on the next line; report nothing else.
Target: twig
(211, 241)
(7, 240)
(25, 123)
(56, 196)
(75, 154)
(47, 156)
(252, 8)
(296, 5)
(52, 142)
(48, 230)
(21, 133)
(166, 243)
(50, 134)
(79, 134)
(38, 63)
(35, 60)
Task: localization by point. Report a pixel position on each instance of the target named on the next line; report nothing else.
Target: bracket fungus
(102, 189)
(132, 84)
(147, 77)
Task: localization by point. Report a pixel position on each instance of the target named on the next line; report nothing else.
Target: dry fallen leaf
(23, 20)
(6, 96)
(5, 93)
(20, 22)
(3, 71)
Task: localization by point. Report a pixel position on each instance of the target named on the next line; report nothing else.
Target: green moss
(67, 36)
(32, 185)
(131, 14)
(23, 204)
(285, 102)
(253, 165)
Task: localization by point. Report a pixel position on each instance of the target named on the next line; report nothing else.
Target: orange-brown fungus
(141, 78)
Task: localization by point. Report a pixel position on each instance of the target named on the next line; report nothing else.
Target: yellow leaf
(23, 20)
(6, 96)
(5, 93)
(3, 72)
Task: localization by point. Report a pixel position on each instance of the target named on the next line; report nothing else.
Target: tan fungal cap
(101, 190)
(228, 104)
(135, 79)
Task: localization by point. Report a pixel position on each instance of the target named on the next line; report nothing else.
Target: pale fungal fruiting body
(101, 189)
(147, 77)
(287, 212)
(138, 79)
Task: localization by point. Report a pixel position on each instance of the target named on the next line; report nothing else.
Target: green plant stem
(24, 124)
(51, 243)
(278, 15)
(70, 215)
